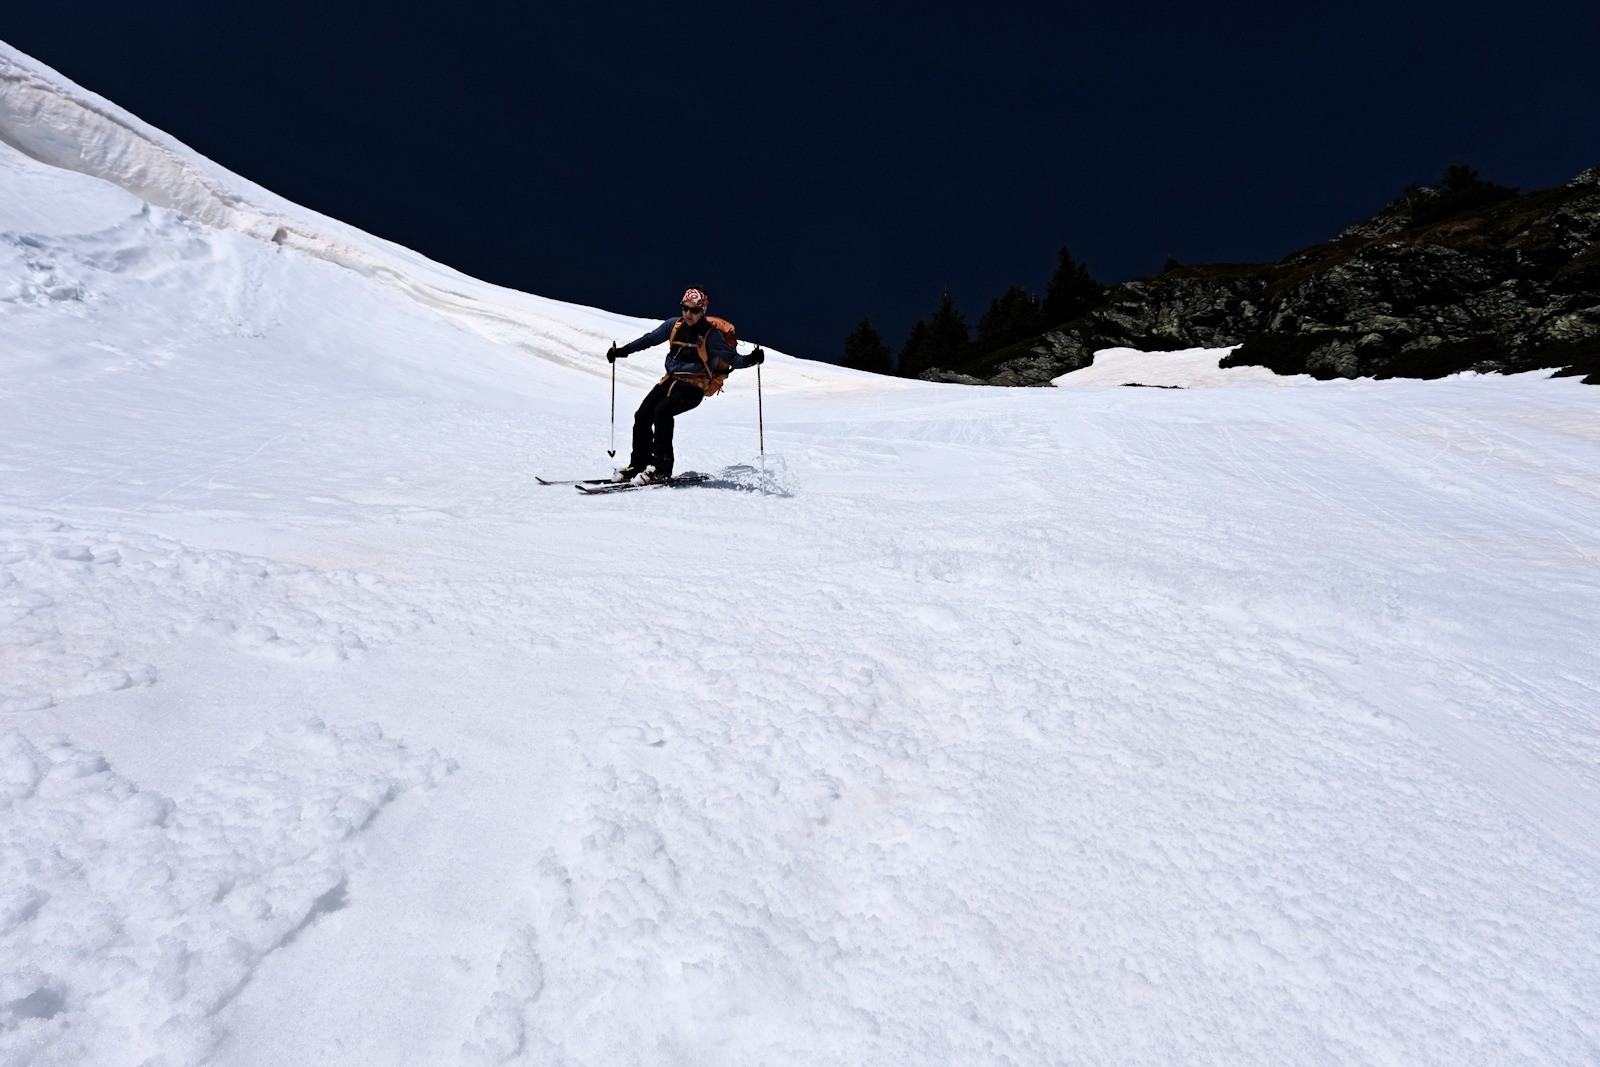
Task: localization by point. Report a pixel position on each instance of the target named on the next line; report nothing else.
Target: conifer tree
(1011, 318)
(910, 362)
(1461, 189)
(1071, 291)
(864, 350)
(949, 341)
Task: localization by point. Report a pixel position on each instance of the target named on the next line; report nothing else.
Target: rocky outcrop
(1472, 278)
(1034, 363)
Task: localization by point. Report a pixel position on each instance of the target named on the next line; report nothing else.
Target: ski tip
(573, 481)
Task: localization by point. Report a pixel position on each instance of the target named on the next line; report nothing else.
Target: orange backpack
(714, 376)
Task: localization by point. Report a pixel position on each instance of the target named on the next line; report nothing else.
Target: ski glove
(614, 355)
(756, 358)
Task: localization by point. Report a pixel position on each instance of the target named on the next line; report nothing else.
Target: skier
(698, 358)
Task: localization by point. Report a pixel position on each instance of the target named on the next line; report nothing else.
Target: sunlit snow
(1256, 723)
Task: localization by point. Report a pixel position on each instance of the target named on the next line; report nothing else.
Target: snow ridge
(48, 118)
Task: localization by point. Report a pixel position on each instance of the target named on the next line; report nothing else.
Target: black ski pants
(653, 423)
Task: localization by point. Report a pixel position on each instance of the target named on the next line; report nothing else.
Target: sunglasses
(697, 311)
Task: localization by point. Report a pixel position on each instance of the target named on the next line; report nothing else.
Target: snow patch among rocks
(1191, 368)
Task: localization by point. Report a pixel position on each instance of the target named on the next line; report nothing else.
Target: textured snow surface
(130, 919)
(1256, 724)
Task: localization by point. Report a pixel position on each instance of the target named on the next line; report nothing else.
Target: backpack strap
(708, 381)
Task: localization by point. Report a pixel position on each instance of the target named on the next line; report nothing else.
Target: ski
(686, 478)
(608, 479)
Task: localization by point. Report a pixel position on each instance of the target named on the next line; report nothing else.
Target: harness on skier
(711, 377)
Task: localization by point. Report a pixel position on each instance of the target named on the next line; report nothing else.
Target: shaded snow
(1251, 725)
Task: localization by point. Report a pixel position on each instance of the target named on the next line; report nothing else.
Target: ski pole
(612, 451)
(761, 420)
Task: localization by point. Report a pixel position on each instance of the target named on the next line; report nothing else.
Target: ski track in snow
(1247, 725)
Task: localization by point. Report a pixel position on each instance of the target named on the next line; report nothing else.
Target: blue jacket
(685, 362)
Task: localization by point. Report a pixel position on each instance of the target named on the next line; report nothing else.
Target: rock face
(1422, 290)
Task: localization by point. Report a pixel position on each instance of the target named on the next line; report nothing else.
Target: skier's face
(691, 314)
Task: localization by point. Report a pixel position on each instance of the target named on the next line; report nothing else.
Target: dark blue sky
(811, 164)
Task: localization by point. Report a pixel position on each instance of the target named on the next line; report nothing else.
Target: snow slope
(1251, 725)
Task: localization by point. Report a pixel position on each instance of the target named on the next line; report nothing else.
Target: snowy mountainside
(1252, 724)
(47, 118)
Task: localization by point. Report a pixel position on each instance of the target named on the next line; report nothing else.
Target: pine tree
(949, 340)
(1071, 291)
(1011, 318)
(910, 363)
(1461, 189)
(944, 341)
(1462, 178)
(864, 350)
